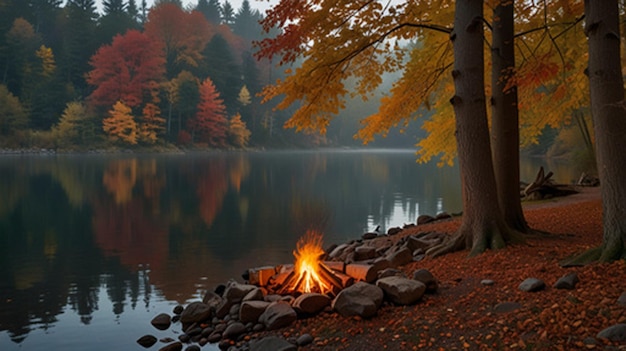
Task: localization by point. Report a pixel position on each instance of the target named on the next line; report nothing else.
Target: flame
(308, 253)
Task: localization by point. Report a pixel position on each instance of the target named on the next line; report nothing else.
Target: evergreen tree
(210, 9)
(246, 23)
(133, 12)
(228, 13)
(116, 20)
(221, 67)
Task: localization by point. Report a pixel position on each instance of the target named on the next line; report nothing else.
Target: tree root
(492, 238)
(603, 253)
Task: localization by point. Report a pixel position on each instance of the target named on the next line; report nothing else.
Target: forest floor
(462, 315)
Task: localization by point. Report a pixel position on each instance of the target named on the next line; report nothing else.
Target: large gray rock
(161, 321)
(235, 292)
(402, 291)
(250, 311)
(195, 312)
(427, 278)
(567, 281)
(278, 315)
(147, 340)
(272, 343)
(311, 303)
(361, 299)
(363, 253)
(401, 257)
(532, 285)
(212, 299)
(615, 332)
(234, 330)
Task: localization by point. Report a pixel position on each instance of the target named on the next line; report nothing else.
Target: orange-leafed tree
(120, 125)
(182, 34)
(209, 124)
(152, 124)
(127, 70)
(238, 133)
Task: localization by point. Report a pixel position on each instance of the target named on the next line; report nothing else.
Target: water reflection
(87, 240)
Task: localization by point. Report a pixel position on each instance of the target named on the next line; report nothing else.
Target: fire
(307, 266)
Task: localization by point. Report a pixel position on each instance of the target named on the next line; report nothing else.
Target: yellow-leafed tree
(120, 124)
(238, 133)
(152, 124)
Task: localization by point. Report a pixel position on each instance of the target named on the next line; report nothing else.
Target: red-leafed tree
(183, 35)
(126, 70)
(210, 124)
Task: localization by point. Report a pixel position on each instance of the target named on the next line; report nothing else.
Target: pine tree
(210, 123)
(238, 133)
(120, 125)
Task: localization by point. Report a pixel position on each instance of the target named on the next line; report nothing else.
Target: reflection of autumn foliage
(130, 232)
(119, 179)
(211, 189)
(238, 171)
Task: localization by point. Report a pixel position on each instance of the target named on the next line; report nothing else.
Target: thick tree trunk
(482, 225)
(505, 118)
(608, 109)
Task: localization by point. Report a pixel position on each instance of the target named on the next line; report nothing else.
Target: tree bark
(482, 225)
(505, 117)
(606, 86)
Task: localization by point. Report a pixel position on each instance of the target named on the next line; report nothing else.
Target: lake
(92, 247)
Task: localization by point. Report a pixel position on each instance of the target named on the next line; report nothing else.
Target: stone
(178, 309)
(214, 337)
(394, 231)
(487, 282)
(176, 346)
(256, 294)
(193, 348)
(505, 307)
(361, 299)
(532, 285)
(400, 257)
(147, 340)
(402, 291)
(304, 339)
(338, 251)
(184, 338)
(195, 312)
(616, 333)
(369, 236)
(278, 315)
(161, 321)
(363, 253)
(427, 278)
(622, 299)
(235, 292)
(234, 330)
(415, 243)
(212, 299)
(442, 215)
(391, 272)
(311, 303)
(250, 311)
(567, 281)
(272, 343)
(424, 219)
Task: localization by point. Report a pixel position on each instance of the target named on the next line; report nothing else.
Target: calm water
(93, 247)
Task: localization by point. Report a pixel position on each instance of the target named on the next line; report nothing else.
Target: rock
(214, 337)
(442, 215)
(505, 307)
(400, 257)
(277, 315)
(391, 272)
(369, 236)
(402, 291)
(363, 253)
(394, 231)
(212, 299)
(184, 338)
(338, 251)
(532, 285)
(194, 331)
(147, 340)
(256, 294)
(195, 312)
(272, 343)
(304, 339)
(176, 346)
(193, 348)
(615, 332)
(567, 281)
(622, 299)
(250, 311)
(178, 309)
(415, 243)
(427, 278)
(361, 299)
(234, 330)
(487, 282)
(424, 219)
(235, 292)
(311, 303)
(234, 310)
(161, 321)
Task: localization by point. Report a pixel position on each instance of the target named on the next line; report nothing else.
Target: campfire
(309, 274)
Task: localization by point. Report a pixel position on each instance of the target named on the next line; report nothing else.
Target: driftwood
(544, 187)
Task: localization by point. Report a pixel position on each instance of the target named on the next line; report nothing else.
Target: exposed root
(603, 253)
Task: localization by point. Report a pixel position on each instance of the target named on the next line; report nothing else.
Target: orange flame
(308, 253)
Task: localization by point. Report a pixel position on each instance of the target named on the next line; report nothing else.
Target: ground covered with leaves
(462, 315)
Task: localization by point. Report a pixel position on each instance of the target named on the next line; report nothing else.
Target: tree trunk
(606, 85)
(505, 118)
(482, 224)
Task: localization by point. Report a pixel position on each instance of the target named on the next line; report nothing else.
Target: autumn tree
(126, 70)
(606, 85)
(210, 123)
(75, 126)
(238, 133)
(120, 125)
(13, 117)
(152, 124)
